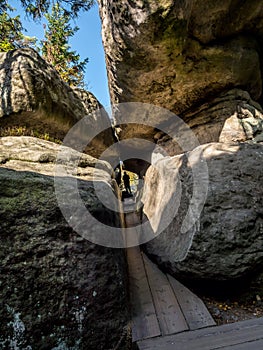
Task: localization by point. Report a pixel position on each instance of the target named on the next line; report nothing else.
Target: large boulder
(226, 242)
(25, 153)
(58, 290)
(177, 54)
(186, 56)
(36, 102)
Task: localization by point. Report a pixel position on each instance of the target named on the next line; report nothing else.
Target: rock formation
(232, 117)
(36, 102)
(199, 59)
(176, 54)
(225, 242)
(58, 290)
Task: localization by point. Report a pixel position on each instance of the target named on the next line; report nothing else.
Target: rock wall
(225, 241)
(199, 59)
(36, 102)
(232, 117)
(58, 290)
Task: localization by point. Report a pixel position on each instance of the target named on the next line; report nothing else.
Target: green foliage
(16, 130)
(56, 49)
(10, 31)
(11, 36)
(3, 6)
(38, 8)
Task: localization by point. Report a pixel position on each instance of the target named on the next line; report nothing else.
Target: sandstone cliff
(36, 102)
(199, 59)
(187, 56)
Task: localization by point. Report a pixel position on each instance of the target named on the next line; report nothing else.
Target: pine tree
(10, 29)
(38, 8)
(11, 36)
(56, 49)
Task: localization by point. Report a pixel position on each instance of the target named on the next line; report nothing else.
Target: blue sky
(87, 42)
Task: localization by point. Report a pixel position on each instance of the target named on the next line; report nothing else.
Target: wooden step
(244, 335)
(169, 314)
(194, 310)
(144, 320)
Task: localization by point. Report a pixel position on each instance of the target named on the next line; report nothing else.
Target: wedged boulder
(176, 54)
(226, 241)
(36, 102)
(184, 56)
(58, 290)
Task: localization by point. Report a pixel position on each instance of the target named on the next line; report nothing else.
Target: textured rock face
(174, 54)
(226, 243)
(58, 290)
(246, 124)
(232, 117)
(30, 153)
(36, 102)
(186, 56)
(202, 60)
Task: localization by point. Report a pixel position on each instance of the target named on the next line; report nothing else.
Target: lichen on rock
(68, 292)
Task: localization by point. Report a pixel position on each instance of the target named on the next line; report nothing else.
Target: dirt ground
(238, 307)
(228, 311)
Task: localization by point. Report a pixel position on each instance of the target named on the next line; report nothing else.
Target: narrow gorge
(188, 68)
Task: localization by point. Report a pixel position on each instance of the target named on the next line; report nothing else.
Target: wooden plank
(129, 205)
(134, 232)
(144, 320)
(168, 311)
(251, 345)
(132, 219)
(194, 310)
(210, 338)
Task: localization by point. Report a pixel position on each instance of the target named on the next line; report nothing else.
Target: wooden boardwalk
(160, 304)
(167, 315)
(244, 335)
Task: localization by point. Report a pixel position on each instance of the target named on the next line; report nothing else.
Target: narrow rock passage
(160, 305)
(167, 315)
